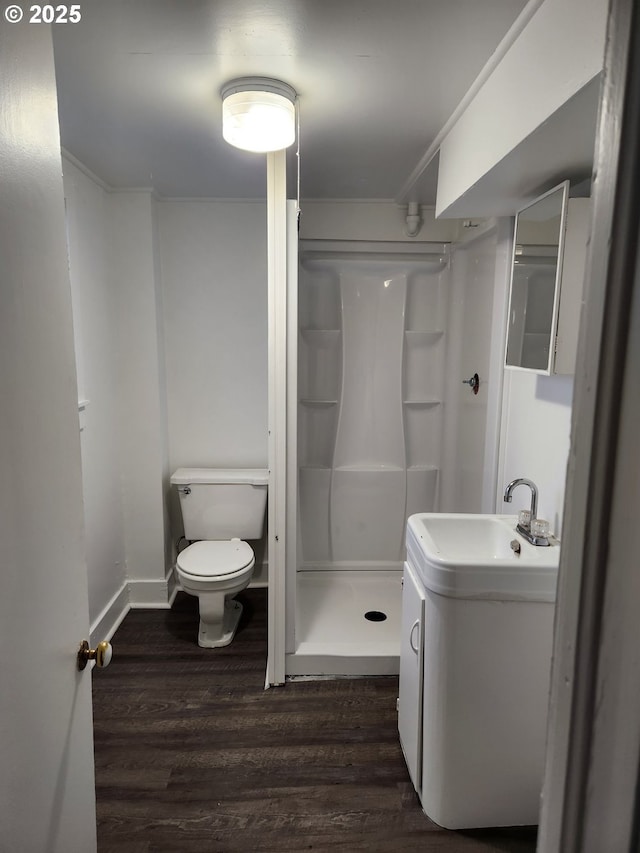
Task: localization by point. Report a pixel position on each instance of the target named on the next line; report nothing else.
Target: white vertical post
(292, 425)
(277, 391)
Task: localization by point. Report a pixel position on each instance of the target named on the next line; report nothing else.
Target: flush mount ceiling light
(258, 114)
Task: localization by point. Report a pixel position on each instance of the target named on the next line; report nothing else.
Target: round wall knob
(102, 654)
(474, 382)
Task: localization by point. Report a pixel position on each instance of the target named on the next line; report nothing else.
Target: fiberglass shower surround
(370, 379)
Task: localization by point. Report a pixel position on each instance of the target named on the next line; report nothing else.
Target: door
(590, 794)
(47, 800)
(411, 674)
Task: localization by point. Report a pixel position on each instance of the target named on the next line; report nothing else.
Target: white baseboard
(154, 594)
(105, 625)
(139, 594)
(172, 597)
(260, 577)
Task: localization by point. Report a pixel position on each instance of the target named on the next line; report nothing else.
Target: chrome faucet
(526, 530)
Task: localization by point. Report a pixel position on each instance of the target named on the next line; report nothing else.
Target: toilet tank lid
(189, 476)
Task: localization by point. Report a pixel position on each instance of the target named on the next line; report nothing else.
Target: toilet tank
(222, 503)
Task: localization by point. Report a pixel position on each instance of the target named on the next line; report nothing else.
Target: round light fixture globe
(258, 114)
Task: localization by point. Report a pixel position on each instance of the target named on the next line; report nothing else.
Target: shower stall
(371, 356)
(383, 333)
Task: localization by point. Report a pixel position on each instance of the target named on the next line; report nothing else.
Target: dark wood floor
(194, 756)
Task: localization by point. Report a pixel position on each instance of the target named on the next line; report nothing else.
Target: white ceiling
(138, 84)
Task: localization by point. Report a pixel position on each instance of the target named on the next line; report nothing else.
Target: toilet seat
(211, 559)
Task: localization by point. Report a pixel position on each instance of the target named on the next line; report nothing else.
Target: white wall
(479, 279)
(213, 259)
(96, 318)
(169, 555)
(206, 401)
(536, 423)
(120, 357)
(139, 352)
(531, 413)
(214, 303)
(369, 220)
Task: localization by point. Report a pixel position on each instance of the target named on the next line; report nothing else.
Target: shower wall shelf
(421, 402)
(420, 336)
(436, 255)
(320, 364)
(371, 467)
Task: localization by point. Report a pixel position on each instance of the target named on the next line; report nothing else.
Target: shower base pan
(347, 623)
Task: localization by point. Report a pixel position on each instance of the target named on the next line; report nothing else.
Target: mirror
(535, 282)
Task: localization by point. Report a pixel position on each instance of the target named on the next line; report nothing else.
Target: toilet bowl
(220, 507)
(215, 571)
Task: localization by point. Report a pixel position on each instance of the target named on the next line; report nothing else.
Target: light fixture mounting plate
(258, 84)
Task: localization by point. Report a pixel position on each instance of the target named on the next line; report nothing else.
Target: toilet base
(232, 614)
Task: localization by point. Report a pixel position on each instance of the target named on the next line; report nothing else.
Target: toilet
(220, 508)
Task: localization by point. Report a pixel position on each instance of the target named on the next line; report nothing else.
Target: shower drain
(375, 616)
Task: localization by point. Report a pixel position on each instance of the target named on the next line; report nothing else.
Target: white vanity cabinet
(412, 668)
(474, 674)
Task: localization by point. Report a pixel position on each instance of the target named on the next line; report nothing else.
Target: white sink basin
(476, 538)
(465, 555)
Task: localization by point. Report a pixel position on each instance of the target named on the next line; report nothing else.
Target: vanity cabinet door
(411, 674)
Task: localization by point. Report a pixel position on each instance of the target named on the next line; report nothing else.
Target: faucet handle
(524, 518)
(540, 527)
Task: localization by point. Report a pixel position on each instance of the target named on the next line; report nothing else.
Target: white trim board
(133, 595)
(110, 619)
(153, 593)
(277, 411)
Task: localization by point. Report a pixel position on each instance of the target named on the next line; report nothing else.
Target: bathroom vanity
(477, 629)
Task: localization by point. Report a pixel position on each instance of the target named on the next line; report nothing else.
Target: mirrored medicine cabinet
(547, 273)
